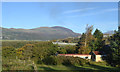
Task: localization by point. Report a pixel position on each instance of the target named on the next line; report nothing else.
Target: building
(62, 43)
(85, 56)
(107, 35)
(94, 56)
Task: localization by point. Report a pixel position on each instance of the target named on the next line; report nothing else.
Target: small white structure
(61, 43)
(94, 56)
(85, 56)
(107, 35)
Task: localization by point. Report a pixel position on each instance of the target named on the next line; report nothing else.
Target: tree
(83, 45)
(98, 34)
(80, 47)
(70, 49)
(97, 43)
(115, 47)
(88, 34)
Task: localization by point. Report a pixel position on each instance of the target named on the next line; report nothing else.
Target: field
(20, 65)
(85, 67)
(39, 55)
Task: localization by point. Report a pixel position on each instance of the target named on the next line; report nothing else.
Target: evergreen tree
(97, 43)
(98, 34)
(81, 47)
(115, 47)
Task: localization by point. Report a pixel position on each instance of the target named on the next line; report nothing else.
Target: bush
(50, 60)
(39, 61)
(62, 60)
(73, 61)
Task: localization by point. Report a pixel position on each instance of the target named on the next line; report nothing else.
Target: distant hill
(109, 32)
(41, 33)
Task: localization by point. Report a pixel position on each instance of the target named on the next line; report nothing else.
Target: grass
(19, 65)
(16, 64)
(92, 66)
(62, 67)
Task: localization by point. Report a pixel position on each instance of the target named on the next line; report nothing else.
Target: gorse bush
(62, 60)
(8, 52)
(73, 61)
(51, 60)
(27, 50)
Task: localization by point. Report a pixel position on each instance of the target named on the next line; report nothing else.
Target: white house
(94, 56)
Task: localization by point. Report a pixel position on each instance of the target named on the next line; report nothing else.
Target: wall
(75, 55)
(98, 58)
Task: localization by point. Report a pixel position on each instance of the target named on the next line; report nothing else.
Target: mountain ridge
(39, 33)
(110, 32)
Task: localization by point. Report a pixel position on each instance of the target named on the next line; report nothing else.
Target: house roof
(74, 54)
(96, 52)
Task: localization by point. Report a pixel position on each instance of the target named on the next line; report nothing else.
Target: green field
(28, 65)
(86, 67)
(92, 66)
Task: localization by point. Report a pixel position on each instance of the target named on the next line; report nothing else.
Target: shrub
(58, 60)
(39, 61)
(50, 60)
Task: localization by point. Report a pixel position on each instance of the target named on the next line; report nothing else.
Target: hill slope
(41, 33)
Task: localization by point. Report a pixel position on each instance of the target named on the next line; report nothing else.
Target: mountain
(41, 33)
(109, 32)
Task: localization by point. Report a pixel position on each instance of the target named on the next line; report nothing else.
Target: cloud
(96, 13)
(77, 10)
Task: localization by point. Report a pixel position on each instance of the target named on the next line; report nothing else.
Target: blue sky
(72, 15)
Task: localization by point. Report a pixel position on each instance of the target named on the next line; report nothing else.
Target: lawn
(19, 65)
(92, 66)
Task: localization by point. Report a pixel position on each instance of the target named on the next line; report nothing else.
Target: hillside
(41, 33)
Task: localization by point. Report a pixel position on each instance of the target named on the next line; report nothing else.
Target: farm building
(94, 56)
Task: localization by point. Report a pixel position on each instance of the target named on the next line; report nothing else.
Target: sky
(72, 15)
